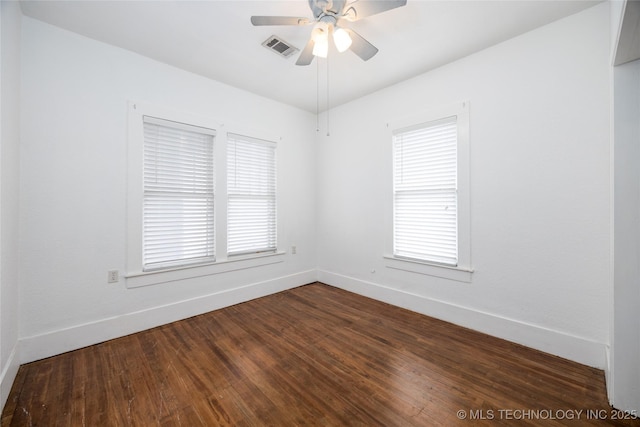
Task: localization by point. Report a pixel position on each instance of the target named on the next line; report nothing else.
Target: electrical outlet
(113, 276)
(294, 250)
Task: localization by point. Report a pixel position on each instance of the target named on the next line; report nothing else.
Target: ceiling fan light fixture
(321, 47)
(328, 14)
(320, 31)
(342, 39)
(320, 36)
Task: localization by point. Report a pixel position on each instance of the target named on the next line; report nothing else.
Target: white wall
(540, 227)
(9, 180)
(624, 368)
(73, 191)
(625, 381)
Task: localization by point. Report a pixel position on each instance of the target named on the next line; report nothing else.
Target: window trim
(134, 274)
(269, 144)
(183, 193)
(461, 272)
(147, 278)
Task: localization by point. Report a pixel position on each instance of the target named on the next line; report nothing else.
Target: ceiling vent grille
(279, 46)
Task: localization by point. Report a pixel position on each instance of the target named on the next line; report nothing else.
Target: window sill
(459, 274)
(148, 278)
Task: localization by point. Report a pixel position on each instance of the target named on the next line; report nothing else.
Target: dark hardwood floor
(314, 355)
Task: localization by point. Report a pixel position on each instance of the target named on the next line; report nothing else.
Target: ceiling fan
(331, 17)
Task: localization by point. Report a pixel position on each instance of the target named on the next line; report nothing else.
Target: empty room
(316, 212)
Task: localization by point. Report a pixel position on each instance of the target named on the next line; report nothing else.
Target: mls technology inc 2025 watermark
(545, 414)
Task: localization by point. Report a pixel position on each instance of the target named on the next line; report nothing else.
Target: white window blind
(425, 192)
(251, 187)
(178, 181)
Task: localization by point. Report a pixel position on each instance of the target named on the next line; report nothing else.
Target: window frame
(270, 196)
(151, 189)
(134, 275)
(463, 270)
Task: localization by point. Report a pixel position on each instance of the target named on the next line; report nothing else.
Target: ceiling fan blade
(363, 8)
(361, 47)
(278, 20)
(306, 56)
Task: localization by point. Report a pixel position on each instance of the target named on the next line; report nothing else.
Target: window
(201, 197)
(177, 212)
(251, 206)
(429, 204)
(425, 192)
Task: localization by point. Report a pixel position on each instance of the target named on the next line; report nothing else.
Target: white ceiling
(216, 39)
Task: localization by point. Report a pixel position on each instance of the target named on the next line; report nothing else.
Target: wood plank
(313, 355)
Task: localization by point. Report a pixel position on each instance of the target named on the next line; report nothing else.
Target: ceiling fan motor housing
(326, 7)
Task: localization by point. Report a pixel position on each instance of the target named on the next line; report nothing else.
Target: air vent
(279, 46)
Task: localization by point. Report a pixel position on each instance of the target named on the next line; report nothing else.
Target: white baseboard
(63, 340)
(561, 344)
(571, 347)
(8, 375)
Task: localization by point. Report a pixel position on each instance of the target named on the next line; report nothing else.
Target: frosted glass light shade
(321, 47)
(342, 39)
(320, 36)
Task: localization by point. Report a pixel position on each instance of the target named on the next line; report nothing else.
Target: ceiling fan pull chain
(327, 62)
(317, 96)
